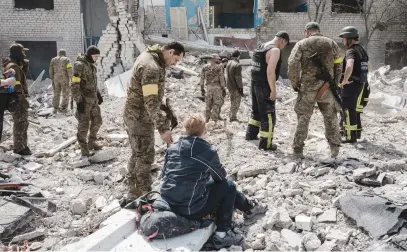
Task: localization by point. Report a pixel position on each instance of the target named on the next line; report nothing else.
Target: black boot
(263, 145)
(252, 132)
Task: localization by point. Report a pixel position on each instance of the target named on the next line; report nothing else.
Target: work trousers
(142, 155)
(362, 101)
(235, 100)
(3, 107)
(61, 87)
(263, 117)
(214, 100)
(350, 118)
(20, 124)
(224, 198)
(88, 122)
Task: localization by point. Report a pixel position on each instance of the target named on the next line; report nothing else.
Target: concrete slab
(117, 86)
(13, 217)
(118, 233)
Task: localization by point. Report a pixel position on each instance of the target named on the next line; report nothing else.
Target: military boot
(334, 151)
(93, 145)
(55, 111)
(298, 153)
(85, 151)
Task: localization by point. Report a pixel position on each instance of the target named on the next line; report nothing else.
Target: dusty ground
(291, 192)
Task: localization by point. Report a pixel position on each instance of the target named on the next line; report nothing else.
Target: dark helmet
(349, 32)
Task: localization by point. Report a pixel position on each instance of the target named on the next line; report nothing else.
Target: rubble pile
(311, 203)
(121, 42)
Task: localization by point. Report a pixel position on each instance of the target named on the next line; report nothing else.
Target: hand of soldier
(100, 98)
(167, 137)
(224, 92)
(273, 96)
(81, 107)
(8, 72)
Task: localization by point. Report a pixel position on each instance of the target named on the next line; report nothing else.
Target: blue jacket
(189, 164)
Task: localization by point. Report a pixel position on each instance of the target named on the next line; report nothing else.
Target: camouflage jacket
(84, 81)
(301, 69)
(21, 82)
(214, 76)
(234, 75)
(146, 89)
(60, 69)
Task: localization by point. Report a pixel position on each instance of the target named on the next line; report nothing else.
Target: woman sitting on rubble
(195, 184)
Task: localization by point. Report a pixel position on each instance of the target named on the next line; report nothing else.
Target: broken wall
(331, 25)
(61, 25)
(121, 42)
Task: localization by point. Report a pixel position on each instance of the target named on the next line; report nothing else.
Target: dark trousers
(3, 107)
(349, 118)
(263, 116)
(224, 198)
(359, 125)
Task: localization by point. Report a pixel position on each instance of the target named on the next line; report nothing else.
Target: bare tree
(379, 17)
(320, 6)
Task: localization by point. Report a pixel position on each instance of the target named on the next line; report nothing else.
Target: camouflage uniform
(301, 72)
(20, 115)
(60, 72)
(141, 114)
(85, 92)
(234, 84)
(215, 89)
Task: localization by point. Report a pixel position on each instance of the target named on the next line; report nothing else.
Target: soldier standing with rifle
(314, 67)
(355, 88)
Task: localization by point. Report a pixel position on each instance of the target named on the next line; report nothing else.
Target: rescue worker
(213, 78)
(354, 81)
(87, 97)
(60, 72)
(6, 80)
(234, 84)
(142, 112)
(304, 76)
(20, 114)
(266, 64)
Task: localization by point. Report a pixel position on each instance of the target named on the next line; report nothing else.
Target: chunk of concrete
(327, 246)
(103, 156)
(86, 175)
(251, 171)
(112, 208)
(303, 222)
(315, 211)
(293, 239)
(28, 236)
(119, 234)
(13, 217)
(78, 206)
(311, 242)
(98, 177)
(361, 173)
(35, 246)
(328, 184)
(338, 235)
(32, 166)
(8, 158)
(59, 191)
(81, 163)
(100, 202)
(328, 216)
(117, 137)
(280, 219)
(288, 168)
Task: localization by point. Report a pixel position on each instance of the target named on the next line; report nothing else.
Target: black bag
(154, 219)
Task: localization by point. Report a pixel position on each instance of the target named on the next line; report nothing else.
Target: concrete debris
(315, 211)
(98, 177)
(362, 173)
(78, 206)
(86, 175)
(81, 163)
(328, 216)
(28, 236)
(59, 191)
(341, 237)
(100, 202)
(303, 222)
(8, 158)
(288, 168)
(35, 246)
(13, 217)
(327, 246)
(278, 219)
(112, 208)
(32, 166)
(293, 239)
(251, 171)
(117, 137)
(311, 242)
(103, 156)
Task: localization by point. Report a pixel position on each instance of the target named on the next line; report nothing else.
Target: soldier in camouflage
(20, 114)
(234, 84)
(87, 97)
(60, 72)
(142, 112)
(213, 78)
(302, 74)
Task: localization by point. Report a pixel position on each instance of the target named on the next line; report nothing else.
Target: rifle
(326, 76)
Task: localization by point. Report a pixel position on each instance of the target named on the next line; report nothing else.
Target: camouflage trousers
(88, 122)
(20, 125)
(61, 88)
(214, 100)
(142, 156)
(329, 109)
(235, 100)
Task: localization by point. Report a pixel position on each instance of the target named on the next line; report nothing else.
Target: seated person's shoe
(257, 209)
(230, 239)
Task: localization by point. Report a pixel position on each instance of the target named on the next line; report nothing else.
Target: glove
(100, 98)
(203, 92)
(297, 89)
(325, 76)
(81, 107)
(174, 122)
(223, 92)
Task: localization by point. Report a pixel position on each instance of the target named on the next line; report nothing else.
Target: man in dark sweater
(195, 184)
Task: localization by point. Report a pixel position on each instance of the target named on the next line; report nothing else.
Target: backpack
(155, 220)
